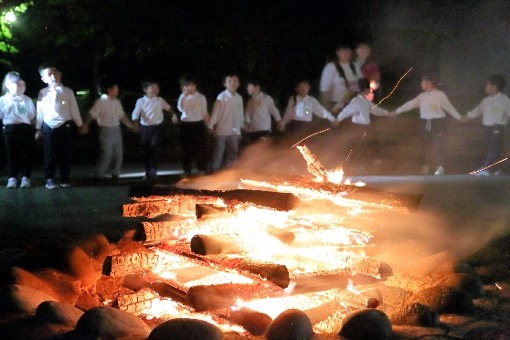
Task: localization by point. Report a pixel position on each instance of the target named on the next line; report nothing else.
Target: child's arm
(476, 112)
(125, 120)
(448, 107)
(288, 115)
(39, 119)
(75, 111)
(379, 111)
(273, 110)
(166, 107)
(408, 106)
(205, 114)
(350, 110)
(216, 114)
(321, 111)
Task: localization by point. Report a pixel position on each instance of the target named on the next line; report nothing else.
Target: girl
(17, 112)
(299, 111)
(432, 103)
(339, 79)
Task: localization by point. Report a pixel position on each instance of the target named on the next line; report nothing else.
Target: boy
(360, 108)
(226, 122)
(57, 118)
(193, 107)
(495, 110)
(148, 119)
(432, 103)
(108, 112)
(259, 109)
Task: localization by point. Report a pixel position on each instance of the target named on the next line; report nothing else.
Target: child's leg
(232, 149)
(218, 152)
(438, 141)
(106, 152)
(201, 147)
(150, 140)
(187, 136)
(65, 138)
(50, 151)
(27, 148)
(12, 146)
(427, 148)
(494, 136)
(117, 151)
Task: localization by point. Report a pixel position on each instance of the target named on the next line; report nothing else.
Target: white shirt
(107, 111)
(193, 107)
(493, 109)
(302, 109)
(336, 87)
(55, 106)
(16, 110)
(259, 109)
(360, 109)
(432, 105)
(228, 114)
(150, 110)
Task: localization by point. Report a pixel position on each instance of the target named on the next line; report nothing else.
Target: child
(360, 108)
(108, 112)
(193, 107)
(17, 112)
(148, 118)
(259, 109)
(495, 110)
(432, 103)
(227, 121)
(57, 118)
(339, 79)
(367, 68)
(299, 111)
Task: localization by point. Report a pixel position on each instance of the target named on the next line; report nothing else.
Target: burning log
(313, 164)
(174, 205)
(214, 244)
(138, 302)
(345, 301)
(208, 210)
(283, 235)
(256, 323)
(219, 296)
(122, 265)
(277, 201)
(272, 272)
(306, 187)
(159, 231)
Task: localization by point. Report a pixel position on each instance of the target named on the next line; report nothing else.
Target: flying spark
(310, 136)
(488, 166)
(394, 88)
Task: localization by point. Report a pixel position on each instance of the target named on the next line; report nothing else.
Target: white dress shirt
(432, 105)
(227, 117)
(57, 105)
(360, 109)
(16, 110)
(259, 109)
(302, 109)
(193, 107)
(107, 111)
(493, 109)
(150, 110)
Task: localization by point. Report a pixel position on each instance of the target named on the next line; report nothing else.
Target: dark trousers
(19, 145)
(433, 142)
(193, 140)
(151, 141)
(494, 136)
(259, 135)
(57, 147)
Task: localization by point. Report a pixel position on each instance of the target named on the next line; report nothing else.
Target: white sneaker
(12, 183)
(439, 171)
(25, 182)
(424, 170)
(51, 184)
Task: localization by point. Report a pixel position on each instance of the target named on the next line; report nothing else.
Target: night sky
(277, 41)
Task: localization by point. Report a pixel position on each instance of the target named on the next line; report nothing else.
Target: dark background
(277, 41)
